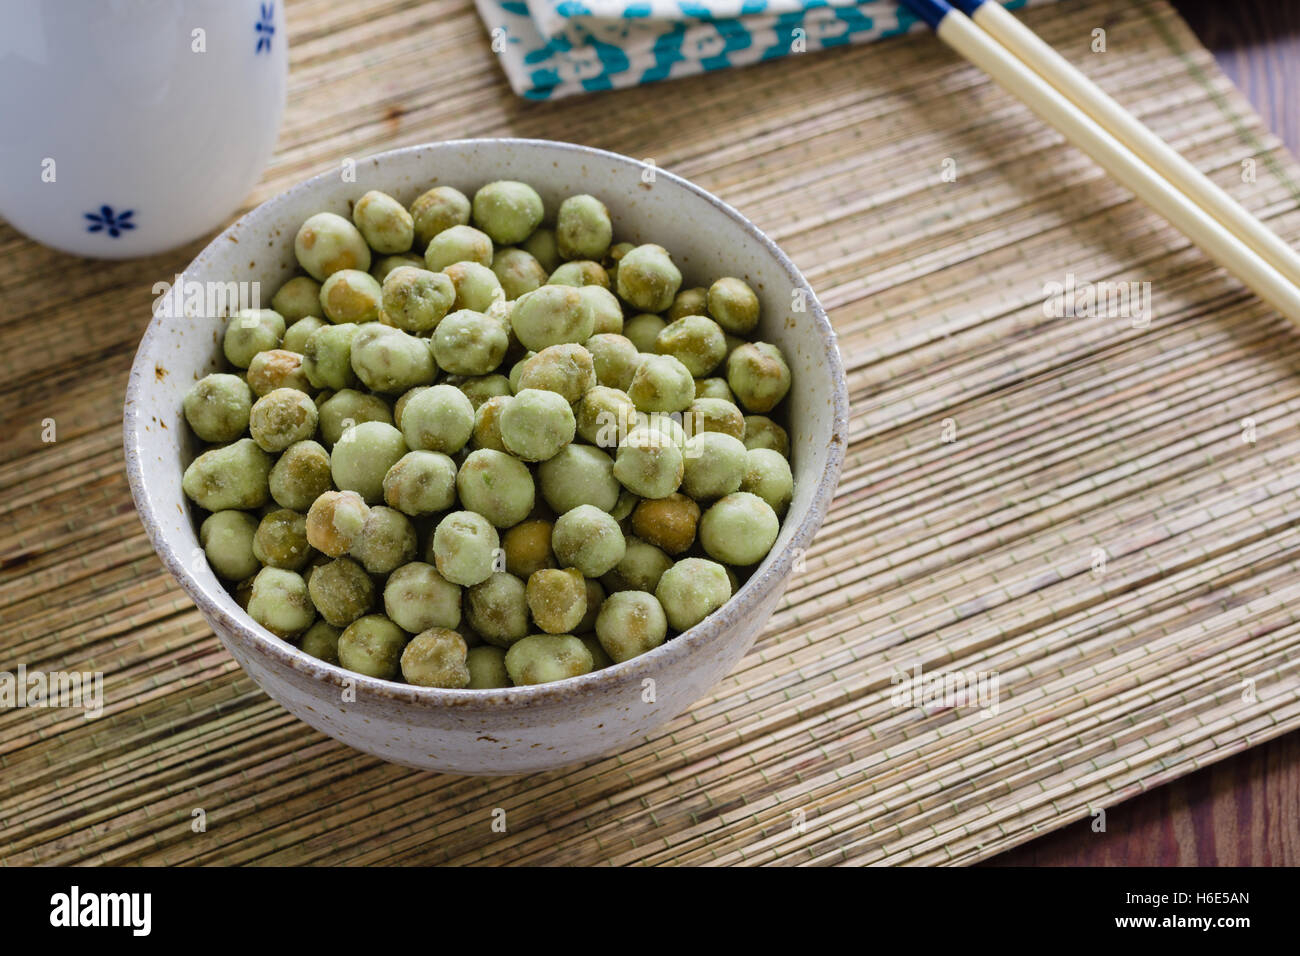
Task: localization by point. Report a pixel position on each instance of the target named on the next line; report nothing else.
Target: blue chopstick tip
(931, 12)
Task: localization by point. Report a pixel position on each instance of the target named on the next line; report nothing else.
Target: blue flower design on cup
(106, 220)
(265, 27)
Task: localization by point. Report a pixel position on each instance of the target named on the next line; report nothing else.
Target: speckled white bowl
(520, 729)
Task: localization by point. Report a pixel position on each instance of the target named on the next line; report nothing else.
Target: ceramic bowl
(518, 729)
(135, 126)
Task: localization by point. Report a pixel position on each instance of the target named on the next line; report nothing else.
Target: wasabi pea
(458, 244)
(387, 541)
(296, 336)
(440, 418)
(335, 522)
(421, 483)
(691, 590)
(404, 399)
(758, 374)
(227, 540)
(217, 407)
(415, 299)
(487, 668)
(498, 609)
(527, 548)
(327, 243)
(661, 383)
(643, 330)
(351, 295)
(535, 425)
(713, 415)
(348, 407)
(372, 646)
(518, 271)
(695, 341)
(552, 315)
(714, 388)
(630, 623)
(626, 503)
(516, 370)
(250, 331)
(649, 464)
(281, 540)
(280, 603)
(614, 359)
(282, 417)
(739, 529)
(542, 246)
(487, 423)
(578, 475)
(668, 523)
(436, 658)
(715, 465)
(438, 210)
(580, 273)
(321, 641)
(496, 485)
(479, 388)
(595, 598)
(733, 305)
(588, 539)
(641, 568)
(385, 266)
(417, 597)
(300, 475)
(543, 658)
(341, 591)
(689, 302)
(384, 223)
(564, 369)
(390, 360)
(582, 228)
(327, 357)
(277, 368)
(232, 476)
(605, 416)
(557, 599)
(469, 343)
(477, 286)
(647, 278)
(599, 659)
(767, 474)
(297, 299)
(465, 547)
(507, 211)
(606, 312)
(362, 456)
(762, 432)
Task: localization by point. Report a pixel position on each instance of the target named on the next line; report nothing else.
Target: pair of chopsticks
(1027, 68)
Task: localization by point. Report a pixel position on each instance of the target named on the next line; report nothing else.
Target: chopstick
(1231, 238)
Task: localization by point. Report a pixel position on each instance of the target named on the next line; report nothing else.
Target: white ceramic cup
(134, 126)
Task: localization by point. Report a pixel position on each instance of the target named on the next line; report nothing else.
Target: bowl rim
(256, 638)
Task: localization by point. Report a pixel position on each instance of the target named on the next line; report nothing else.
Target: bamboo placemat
(1099, 534)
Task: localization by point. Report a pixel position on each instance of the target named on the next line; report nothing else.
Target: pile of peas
(524, 455)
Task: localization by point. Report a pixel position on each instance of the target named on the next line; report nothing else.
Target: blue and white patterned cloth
(554, 48)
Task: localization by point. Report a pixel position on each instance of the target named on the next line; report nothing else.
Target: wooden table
(1242, 811)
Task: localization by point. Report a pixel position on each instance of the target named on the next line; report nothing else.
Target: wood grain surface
(1244, 811)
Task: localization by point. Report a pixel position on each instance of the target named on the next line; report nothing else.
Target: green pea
(327, 357)
(714, 465)
(390, 360)
(734, 305)
(689, 302)
(518, 271)
(327, 243)
(544, 658)
(542, 246)
(557, 599)
(552, 315)
(614, 359)
(335, 520)
(387, 541)
(458, 244)
(631, 623)
(487, 668)
(564, 369)
(641, 568)
(372, 646)
(321, 641)
(739, 529)
(280, 603)
(438, 210)
(231, 476)
(342, 591)
(588, 539)
(642, 331)
(661, 384)
(580, 273)
(362, 456)
(649, 464)
(415, 299)
(217, 407)
(691, 590)
(282, 417)
(698, 343)
(348, 407)
(465, 547)
(578, 475)
(496, 485)
(647, 278)
(767, 474)
(300, 475)
(469, 343)
(387, 227)
(417, 597)
(227, 540)
(498, 609)
(250, 331)
(297, 298)
(281, 540)
(440, 418)
(436, 658)
(582, 228)
(296, 336)
(507, 211)
(535, 425)
(351, 295)
(757, 372)
(421, 483)
(762, 432)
